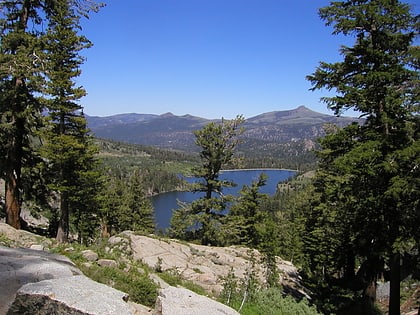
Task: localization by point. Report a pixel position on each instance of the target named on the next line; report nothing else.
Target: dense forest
(349, 224)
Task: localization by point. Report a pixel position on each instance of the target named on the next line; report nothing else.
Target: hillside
(279, 135)
(175, 132)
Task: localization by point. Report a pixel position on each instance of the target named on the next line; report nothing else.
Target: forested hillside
(282, 139)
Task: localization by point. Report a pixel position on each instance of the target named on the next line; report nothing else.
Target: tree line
(355, 222)
(46, 150)
(48, 157)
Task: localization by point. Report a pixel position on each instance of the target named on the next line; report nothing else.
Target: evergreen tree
(246, 213)
(218, 142)
(291, 204)
(68, 149)
(84, 202)
(21, 80)
(24, 72)
(359, 210)
(111, 197)
(136, 212)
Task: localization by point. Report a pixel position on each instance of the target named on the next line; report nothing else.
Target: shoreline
(259, 169)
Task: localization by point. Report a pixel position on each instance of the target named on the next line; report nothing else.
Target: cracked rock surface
(20, 266)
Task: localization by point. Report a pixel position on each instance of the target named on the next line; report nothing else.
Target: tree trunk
(105, 229)
(14, 153)
(63, 221)
(14, 158)
(394, 293)
(12, 201)
(369, 296)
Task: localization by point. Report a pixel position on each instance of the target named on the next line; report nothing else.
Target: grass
(173, 278)
(129, 277)
(140, 288)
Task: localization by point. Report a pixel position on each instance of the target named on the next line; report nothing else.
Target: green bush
(173, 278)
(271, 301)
(137, 285)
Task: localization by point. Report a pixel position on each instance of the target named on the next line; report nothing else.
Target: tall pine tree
(68, 148)
(202, 218)
(25, 61)
(361, 165)
(21, 81)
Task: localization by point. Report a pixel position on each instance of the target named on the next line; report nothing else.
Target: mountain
(165, 131)
(271, 132)
(176, 132)
(120, 119)
(291, 125)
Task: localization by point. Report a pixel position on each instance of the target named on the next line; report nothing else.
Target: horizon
(187, 114)
(208, 58)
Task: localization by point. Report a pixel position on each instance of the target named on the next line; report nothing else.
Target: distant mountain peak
(168, 114)
(176, 132)
(303, 108)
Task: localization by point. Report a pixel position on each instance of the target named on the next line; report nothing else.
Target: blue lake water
(164, 204)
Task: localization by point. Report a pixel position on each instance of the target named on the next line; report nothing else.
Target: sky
(206, 58)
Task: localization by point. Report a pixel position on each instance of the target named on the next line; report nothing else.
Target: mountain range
(176, 132)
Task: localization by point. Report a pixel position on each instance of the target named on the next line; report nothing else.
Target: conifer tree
(24, 72)
(68, 148)
(136, 211)
(361, 166)
(111, 200)
(21, 80)
(218, 142)
(245, 215)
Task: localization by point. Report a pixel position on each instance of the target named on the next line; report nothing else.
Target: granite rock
(76, 295)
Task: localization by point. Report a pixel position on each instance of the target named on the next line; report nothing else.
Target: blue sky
(207, 58)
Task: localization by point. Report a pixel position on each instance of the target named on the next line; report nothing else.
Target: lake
(165, 203)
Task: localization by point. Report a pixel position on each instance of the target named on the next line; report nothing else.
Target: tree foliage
(21, 79)
(39, 60)
(217, 142)
(246, 214)
(368, 191)
(68, 148)
(126, 206)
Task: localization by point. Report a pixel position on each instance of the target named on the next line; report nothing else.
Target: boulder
(90, 255)
(107, 263)
(77, 295)
(116, 240)
(39, 282)
(21, 266)
(180, 301)
(207, 265)
(21, 238)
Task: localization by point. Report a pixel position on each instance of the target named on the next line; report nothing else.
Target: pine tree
(246, 213)
(24, 71)
(21, 80)
(136, 212)
(218, 142)
(360, 165)
(111, 200)
(84, 203)
(67, 149)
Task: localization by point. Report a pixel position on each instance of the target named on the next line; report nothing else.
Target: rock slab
(36, 282)
(20, 266)
(180, 301)
(206, 265)
(77, 295)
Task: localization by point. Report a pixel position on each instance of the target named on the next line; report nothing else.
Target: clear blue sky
(207, 58)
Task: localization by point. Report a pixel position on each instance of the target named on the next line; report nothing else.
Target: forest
(349, 225)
